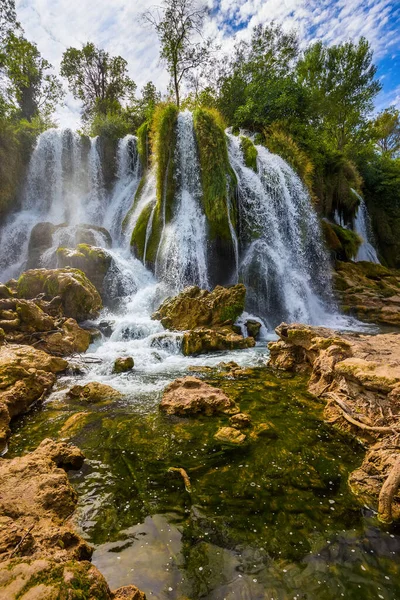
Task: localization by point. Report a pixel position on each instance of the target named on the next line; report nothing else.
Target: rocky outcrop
(189, 396)
(200, 308)
(253, 328)
(207, 318)
(203, 339)
(41, 556)
(26, 376)
(368, 291)
(92, 261)
(42, 324)
(358, 376)
(94, 392)
(79, 298)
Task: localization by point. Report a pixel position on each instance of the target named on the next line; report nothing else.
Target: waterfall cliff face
(272, 227)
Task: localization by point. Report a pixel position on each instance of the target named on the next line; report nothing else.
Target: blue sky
(116, 26)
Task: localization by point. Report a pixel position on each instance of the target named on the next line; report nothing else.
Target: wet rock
(106, 327)
(200, 308)
(74, 424)
(202, 340)
(94, 392)
(41, 239)
(190, 396)
(5, 292)
(91, 260)
(253, 328)
(128, 592)
(122, 365)
(359, 378)
(369, 291)
(80, 299)
(26, 376)
(230, 435)
(240, 421)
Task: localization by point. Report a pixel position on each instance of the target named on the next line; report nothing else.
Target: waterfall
(182, 256)
(362, 226)
(283, 261)
(64, 185)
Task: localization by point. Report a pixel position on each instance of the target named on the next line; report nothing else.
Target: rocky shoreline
(358, 376)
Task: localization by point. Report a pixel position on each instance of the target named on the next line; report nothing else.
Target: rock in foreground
(26, 376)
(41, 556)
(94, 392)
(80, 299)
(202, 340)
(359, 378)
(190, 396)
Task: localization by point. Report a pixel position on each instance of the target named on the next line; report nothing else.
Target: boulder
(94, 392)
(189, 396)
(121, 365)
(202, 340)
(91, 260)
(253, 328)
(26, 376)
(369, 291)
(200, 308)
(28, 322)
(230, 435)
(80, 299)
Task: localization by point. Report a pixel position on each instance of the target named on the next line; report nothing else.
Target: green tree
(31, 89)
(99, 80)
(179, 26)
(386, 130)
(341, 85)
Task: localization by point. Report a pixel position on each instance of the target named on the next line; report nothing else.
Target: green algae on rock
(92, 261)
(123, 364)
(79, 297)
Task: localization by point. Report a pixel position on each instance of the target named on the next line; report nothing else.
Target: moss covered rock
(80, 299)
(195, 307)
(94, 392)
(368, 291)
(122, 365)
(342, 243)
(91, 260)
(230, 435)
(250, 152)
(202, 340)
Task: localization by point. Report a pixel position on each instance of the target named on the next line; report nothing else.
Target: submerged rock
(94, 392)
(200, 308)
(80, 299)
(240, 420)
(26, 376)
(122, 365)
(368, 291)
(359, 377)
(190, 396)
(230, 435)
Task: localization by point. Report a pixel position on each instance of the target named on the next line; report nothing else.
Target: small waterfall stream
(362, 226)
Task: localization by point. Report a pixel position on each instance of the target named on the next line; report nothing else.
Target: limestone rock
(80, 299)
(200, 308)
(26, 376)
(121, 365)
(189, 396)
(369, 291)
(359, 378)
(230, 435)
(253, 328)
(128, 592)
(94, 392)
(91, 260)
(202, 340)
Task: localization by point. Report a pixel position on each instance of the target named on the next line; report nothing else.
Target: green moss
(163, 142)
(217, 176)
(138, 193)
(143, 144)
(343, 243)
(250, 152)
(138, 238)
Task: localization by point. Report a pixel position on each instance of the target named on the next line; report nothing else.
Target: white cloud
(116, 25)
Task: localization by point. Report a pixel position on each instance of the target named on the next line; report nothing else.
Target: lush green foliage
(386, 130)
(99, 80)
(343, 243)
(249, 152)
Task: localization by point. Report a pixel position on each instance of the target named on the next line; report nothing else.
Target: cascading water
(362, 226)
(283, 261)
(182, 256)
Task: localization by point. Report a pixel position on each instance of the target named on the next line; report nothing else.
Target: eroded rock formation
(358, 376)
(189, 396)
